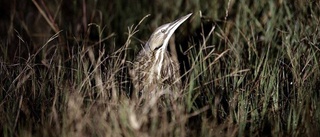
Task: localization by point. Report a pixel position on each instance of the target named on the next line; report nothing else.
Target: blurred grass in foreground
(249, 68)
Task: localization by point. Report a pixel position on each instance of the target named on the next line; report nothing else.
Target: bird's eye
(163, 31)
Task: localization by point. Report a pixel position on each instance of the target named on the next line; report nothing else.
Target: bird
(154, 69)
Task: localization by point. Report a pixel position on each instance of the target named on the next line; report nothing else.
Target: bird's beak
(173, 26)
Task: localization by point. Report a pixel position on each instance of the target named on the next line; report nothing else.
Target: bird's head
(158, 42)
(161, 36)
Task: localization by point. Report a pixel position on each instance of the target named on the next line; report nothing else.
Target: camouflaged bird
(154, 69)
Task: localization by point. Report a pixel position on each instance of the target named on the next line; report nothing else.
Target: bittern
(154, 69)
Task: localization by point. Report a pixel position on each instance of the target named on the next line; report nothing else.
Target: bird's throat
(158, 63)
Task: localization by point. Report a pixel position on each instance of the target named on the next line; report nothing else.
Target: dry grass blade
(49, 20)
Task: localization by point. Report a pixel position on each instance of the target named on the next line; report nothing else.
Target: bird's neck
(159, 55)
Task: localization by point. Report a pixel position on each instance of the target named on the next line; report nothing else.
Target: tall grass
(248, 69)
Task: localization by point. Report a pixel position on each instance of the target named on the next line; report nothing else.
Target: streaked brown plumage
(153, 69)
